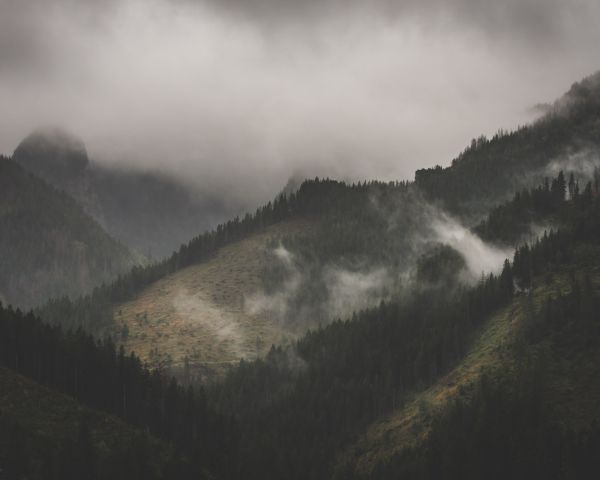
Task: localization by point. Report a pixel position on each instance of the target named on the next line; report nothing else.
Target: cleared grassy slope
(199, 312)
(572, 387)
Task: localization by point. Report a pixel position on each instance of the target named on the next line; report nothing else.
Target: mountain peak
(52, 152)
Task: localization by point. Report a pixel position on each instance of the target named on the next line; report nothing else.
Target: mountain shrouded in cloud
(238, 96)
(150, 212)
(226, 251)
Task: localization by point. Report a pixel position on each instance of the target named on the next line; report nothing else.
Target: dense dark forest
(506, 426)
(291, 413)
(344, 211)
(94, 373)
(347, 375)
(172, 309)
(294, 412)
(492, 169)
(50, 246)
(352, 372)
(537, 208)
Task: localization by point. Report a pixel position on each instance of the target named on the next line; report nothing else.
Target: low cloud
(344, 291)
(351, 291)
(235, 97)
(276, 304)
(481, 258)
(352, 284)
(584, 164)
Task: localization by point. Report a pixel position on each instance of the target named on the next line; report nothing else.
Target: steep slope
(61, 160)
(491, 170)
(307, 258)
(505, 367)
(146, 210)
(371, 234)
(568, 392)
(47, 435)
(49, 246)
(92, 373)
(202, 317)
(412, 375)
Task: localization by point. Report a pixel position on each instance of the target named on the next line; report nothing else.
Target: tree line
(101, 377)
(509, 424)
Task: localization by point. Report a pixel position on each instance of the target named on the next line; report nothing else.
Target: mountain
(413, 323)
(411, 388)
(262, 279)
(50, 246)
(488, 171)
(74, 407)
(48, 435)
(147, 211)
(58, 158)
(522, 403)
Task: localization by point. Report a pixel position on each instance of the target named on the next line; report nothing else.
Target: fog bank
(237, 96)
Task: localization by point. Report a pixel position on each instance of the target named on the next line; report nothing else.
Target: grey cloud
(236, 96)
(539, 21)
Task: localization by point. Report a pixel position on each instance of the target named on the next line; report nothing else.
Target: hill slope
(47, 435)
(506, 354)
(146, 210)
(503, 364)
(379, 230)
(49, 246)
(201, 316)
(491, 170)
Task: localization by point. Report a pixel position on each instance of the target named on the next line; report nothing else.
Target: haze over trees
(470, 349)
(50, 246)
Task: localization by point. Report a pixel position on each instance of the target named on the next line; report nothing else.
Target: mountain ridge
(50, 247)
(149, 211)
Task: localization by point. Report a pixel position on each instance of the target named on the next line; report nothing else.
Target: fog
(481, 258)
(584, 164)
(352, 291)
(349, 284)
(344, 290)
(237, 96)
(276, 304)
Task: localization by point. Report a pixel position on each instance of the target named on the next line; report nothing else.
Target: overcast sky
(238, 95)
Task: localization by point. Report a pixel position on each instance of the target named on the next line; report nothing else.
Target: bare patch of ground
(197, 316)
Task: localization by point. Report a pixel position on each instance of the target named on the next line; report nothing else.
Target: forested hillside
(373, 234)
(304, 408)
(147, 210)
(489, 170)
(410, 328)
(522, 404)
(46, 435)
(94, 374)
(49, 246)
(394, 388)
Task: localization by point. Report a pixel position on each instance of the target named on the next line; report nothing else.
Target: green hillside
(199, 320)
(50, 247)
(424, 321)
(504, 355)
(147, 210)
(366, 396)
(48, 435)
(491, 170)
(366, 229)
(70, 426)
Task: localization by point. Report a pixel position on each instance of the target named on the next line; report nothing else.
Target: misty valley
(292, 305)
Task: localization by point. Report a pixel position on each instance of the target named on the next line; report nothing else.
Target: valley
(442, 328)
(495, 353)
